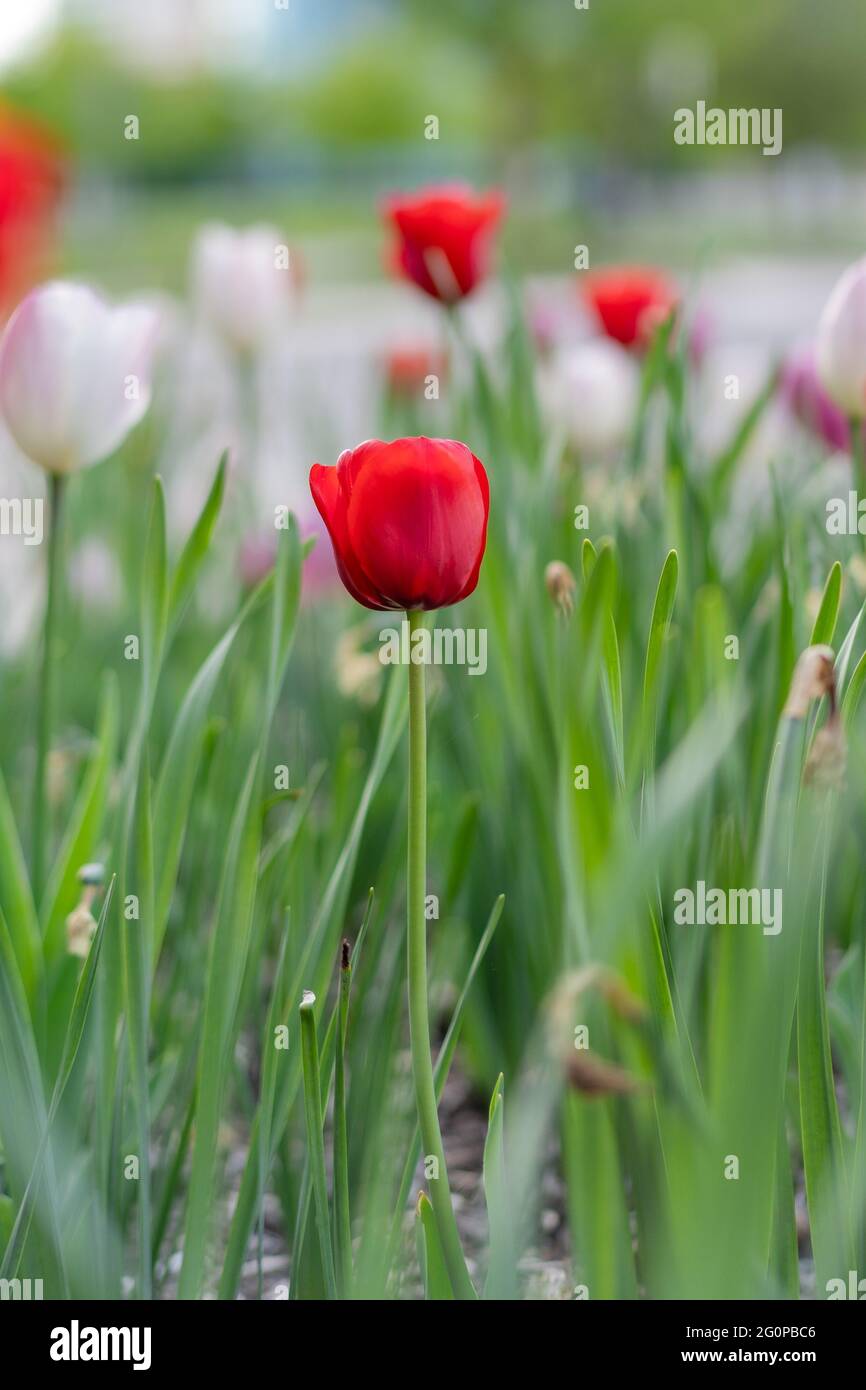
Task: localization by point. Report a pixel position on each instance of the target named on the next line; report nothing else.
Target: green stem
(419, 1024)
(46, 686)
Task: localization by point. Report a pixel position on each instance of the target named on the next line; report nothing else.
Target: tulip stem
(45, 713)
(419, 1023)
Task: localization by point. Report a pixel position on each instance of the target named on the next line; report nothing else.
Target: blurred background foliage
(304, 112)
(503, 76)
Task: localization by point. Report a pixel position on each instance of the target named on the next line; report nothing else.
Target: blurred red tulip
(407, 520)
(407, 368)
(443, 238)
(629, 302)
(31, 182)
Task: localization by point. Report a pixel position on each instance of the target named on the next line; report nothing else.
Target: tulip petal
(329, 497)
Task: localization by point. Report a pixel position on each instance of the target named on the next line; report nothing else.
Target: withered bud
(813, 677)
(828, 757)
(593, 1076)
(599, 979)
(561, 586)
(80, 929)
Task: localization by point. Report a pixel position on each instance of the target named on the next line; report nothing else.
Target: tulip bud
(561, 586)
(74, 374)
(841, 347)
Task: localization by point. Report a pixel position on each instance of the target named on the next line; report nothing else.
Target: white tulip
(592, 391)
(74, 374)
(841, 345)
(242, 282)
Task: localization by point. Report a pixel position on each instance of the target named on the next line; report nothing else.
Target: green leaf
(342, 1210)
(198, 543)
(500, 1276)
(222, 985)
(437, 1285)
(287, 597)
(825, 620)
(83, 999)
(231, 936)
(853, 691)
(85, 826)
(820, 1125)
(441, 1070)
(16, 900)
(137, 953)
(659, 627)
(613, 669)
(27, 1053)
(315, 1143)
(180, 762)
(154, 594)
(725, 465)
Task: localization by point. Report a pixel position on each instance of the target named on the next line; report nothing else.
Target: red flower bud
(629, 303)
(444, 238)
(407, 520)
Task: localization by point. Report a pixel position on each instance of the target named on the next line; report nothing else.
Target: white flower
(591, 390)
(242, 282)
(74, 374)
(841, 346)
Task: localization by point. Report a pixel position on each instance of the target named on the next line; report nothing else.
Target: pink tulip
(841, 349)
(809, 403)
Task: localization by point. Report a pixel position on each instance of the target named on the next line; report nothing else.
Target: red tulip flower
(630, 303)
(443, 238)
(407, 368)
(407, 520)
(31, 181)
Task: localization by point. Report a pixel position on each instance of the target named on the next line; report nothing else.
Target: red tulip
(407, 520)
(31, 181)
(407, 368)
(630, 303)
(444, 237)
